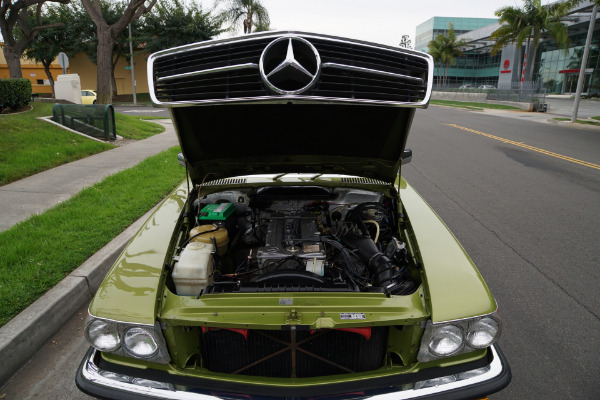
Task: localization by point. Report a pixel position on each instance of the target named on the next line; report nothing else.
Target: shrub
(14, 93)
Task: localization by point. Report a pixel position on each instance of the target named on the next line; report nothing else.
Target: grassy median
(472, 105)
(581, 121)
(29, 146)
(39, 252)
(135, 127)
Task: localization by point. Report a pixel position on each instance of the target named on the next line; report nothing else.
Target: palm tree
(530, 22)
(444, 49)
(251, 12)
(512, 30)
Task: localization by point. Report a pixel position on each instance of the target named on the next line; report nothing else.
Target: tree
(251, 12)
(83, 29)
(172, 23)
(512, 30)
(107, 33)
(530, 22)
(444, 49)
(405, 42)
(16, 15)
(48, 43)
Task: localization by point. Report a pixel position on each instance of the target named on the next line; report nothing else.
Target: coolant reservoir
(193, 271)
(220, 236)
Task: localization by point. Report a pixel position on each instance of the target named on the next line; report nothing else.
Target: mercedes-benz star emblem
(290, 65)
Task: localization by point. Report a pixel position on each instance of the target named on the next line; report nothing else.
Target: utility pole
(132, 67)
(586, 52)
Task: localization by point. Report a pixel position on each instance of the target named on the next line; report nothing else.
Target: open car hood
(283, 102)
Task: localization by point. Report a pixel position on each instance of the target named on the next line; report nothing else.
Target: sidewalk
(37, 193)
(21, 337)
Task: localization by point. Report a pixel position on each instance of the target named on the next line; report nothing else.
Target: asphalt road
(527, 212)
(529, 220)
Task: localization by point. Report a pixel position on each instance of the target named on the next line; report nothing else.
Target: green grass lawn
(472, 105)
(581, 121)
(39, 252)
(29, 146)
(135, 127)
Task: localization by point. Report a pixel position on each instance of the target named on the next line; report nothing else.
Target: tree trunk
(112, 72)
(519, 67)
(13, 61)
(104, 66)
(532, 63)
(248, 22)
(525, 60)
(49, 75)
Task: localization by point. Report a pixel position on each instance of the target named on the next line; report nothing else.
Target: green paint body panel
(266, 310)
(455, 289)
(129, 291)
(452, 288)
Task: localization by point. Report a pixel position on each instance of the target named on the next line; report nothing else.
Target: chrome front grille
(351, 71)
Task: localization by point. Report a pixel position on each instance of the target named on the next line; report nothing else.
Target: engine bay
(292, 239)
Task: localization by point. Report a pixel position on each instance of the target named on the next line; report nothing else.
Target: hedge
(14, 93)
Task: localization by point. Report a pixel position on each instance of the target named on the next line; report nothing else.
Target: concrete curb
(24, 335)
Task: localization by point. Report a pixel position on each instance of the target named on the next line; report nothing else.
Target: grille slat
(369, 79)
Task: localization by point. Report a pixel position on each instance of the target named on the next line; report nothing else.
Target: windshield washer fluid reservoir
(193, 271)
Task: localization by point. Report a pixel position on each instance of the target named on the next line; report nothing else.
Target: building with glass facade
(429, 29)
(556, 69)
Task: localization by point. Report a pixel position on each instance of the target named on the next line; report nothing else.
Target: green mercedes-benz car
(294, 262)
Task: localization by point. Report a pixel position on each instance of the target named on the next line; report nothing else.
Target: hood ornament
(290, 65)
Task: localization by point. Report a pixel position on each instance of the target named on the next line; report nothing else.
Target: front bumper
(471, 384)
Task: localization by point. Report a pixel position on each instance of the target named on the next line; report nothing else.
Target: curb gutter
(25, 334)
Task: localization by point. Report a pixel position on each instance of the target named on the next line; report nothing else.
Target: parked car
(295, 262)
(487, 87)
(88, 97)
(467, 86)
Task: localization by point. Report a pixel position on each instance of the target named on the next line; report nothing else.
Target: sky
(380, 21)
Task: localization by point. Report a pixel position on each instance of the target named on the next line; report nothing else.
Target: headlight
(458, 337)
(140, 342)
(127, 339)
(103, 335)
(446, 340)
(483, 333)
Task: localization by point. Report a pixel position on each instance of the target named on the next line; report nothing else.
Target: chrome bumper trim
(122, 385)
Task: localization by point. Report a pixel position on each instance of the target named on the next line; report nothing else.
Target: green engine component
(216, 212)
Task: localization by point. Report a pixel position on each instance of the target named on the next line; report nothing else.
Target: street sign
(63, 61)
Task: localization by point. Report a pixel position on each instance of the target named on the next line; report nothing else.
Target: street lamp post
(586, 51)
(132, 67)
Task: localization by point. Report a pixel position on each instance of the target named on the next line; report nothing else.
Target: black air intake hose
(384, 272)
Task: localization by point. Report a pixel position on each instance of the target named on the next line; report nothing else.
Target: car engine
(304, 238)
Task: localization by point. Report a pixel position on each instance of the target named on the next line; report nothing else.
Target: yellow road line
(526, 146)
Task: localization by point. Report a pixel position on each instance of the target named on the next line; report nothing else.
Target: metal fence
(94, 120)
(522, 92)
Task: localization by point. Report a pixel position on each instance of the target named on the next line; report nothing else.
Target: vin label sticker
(354, 315)
(286, 302)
